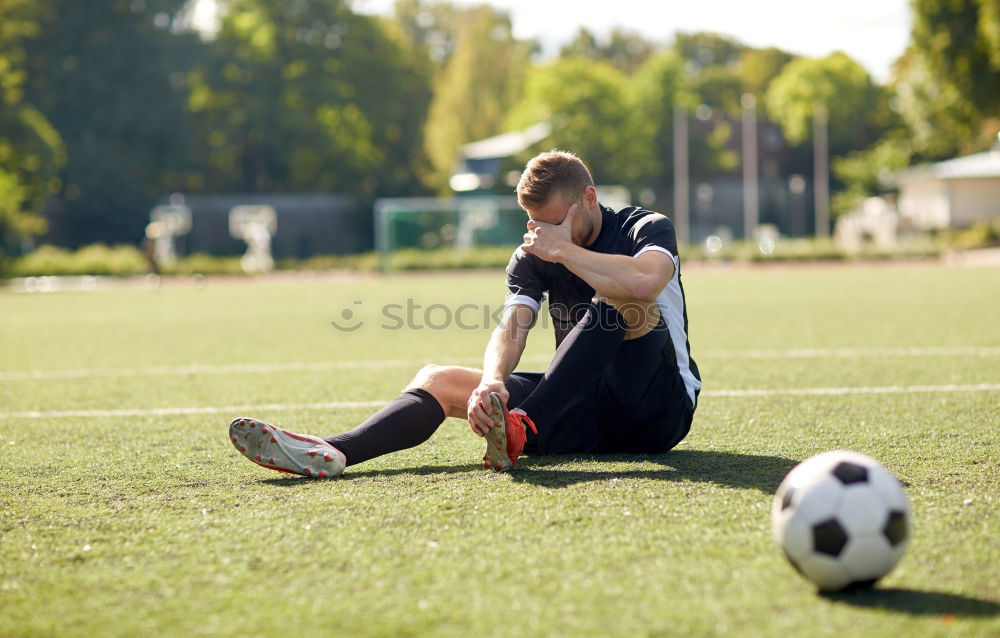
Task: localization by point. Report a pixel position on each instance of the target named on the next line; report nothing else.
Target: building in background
(955, 193)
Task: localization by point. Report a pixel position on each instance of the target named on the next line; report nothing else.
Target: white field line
(808, 353)
(333, 405)
(224, 409)
(889, 389)
(380, 364)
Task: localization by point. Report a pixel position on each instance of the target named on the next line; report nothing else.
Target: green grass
(153, 525)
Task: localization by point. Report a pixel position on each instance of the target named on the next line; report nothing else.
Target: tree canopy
(107, 107)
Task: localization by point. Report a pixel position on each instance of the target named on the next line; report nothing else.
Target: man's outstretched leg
(407, 421)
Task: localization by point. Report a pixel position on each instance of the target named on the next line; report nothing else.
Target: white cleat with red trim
(284, 451)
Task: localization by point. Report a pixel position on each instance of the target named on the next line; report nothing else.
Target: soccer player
(622, 379)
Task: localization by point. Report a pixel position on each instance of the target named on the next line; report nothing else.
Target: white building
(955, 193)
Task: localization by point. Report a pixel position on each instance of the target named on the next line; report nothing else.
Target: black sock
(587, 350)
(409, 420)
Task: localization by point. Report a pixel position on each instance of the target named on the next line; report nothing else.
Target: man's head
(554, 181)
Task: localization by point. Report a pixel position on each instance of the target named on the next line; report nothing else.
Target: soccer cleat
(505, 440)
(276, 449)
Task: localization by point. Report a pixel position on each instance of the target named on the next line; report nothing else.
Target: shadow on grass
(352, 474)
(746, 471)
(919, 603)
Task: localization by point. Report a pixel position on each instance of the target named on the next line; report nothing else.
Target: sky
(873, 32)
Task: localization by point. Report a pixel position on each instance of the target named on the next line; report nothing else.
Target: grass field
(124, 511)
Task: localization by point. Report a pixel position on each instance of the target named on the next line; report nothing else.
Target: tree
(705, 49)
(851, 98)
(482, 80)
(653, 91)
(959, 40)
(624, 50)
(948, 82)
(109, 76)
(583, 101)
(757, 68)
(939, 121)
(31, 151)
(307, 96)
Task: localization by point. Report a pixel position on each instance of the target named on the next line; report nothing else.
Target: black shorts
(638, 405)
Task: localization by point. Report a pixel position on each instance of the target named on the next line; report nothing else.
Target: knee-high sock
(409, 420)
(589, 348)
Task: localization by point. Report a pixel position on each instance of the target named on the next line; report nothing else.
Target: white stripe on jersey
(671, 302)
(523, 300)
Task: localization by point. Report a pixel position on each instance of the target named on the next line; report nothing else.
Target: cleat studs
(327, 457)
(322, 474)
(274, 440)
(264, 430)
(308, 471)
(233, 439)
(312, 452)
(252, 424)
(272, 460)
(257, 458)
(243, 448)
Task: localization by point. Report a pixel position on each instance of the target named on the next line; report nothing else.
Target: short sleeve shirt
(630, 231)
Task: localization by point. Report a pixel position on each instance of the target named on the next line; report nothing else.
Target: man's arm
(503, 352)
(619, 277)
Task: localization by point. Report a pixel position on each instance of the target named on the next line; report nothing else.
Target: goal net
(438, 222)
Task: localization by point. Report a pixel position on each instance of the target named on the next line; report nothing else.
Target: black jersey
(630, 231)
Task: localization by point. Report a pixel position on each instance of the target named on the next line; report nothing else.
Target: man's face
(555, 210)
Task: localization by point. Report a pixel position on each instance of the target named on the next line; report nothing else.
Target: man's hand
(546, 241)
(480, 406)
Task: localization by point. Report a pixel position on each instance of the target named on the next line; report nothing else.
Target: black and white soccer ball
(842, 519)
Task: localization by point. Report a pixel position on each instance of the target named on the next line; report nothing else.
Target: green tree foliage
(960, 42)
(306, 96)
(433, 29)
(865, 173)
(584, 102)
(653, 91)
(839, 83)
(31, 151)
(948, 82)
(624, 50)
(757, 68)
(479, 84)
(704, 49)
(719, 87)
(109, 76)
(940, 122)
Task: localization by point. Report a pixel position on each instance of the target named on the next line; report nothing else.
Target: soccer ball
(842, 520)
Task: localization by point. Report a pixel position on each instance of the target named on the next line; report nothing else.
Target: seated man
(622, 378)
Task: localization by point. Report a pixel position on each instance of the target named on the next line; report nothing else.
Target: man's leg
(412, 417)
(587, 350)
(651, 411)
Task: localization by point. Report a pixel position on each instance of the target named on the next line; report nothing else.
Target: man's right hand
(480, 406)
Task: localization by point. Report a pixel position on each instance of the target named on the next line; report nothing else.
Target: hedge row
(126, 260)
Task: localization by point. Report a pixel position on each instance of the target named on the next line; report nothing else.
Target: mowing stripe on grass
(332, 405)
(378, 364)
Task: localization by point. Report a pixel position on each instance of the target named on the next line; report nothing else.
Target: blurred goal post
(459, 222)
(438, 222)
